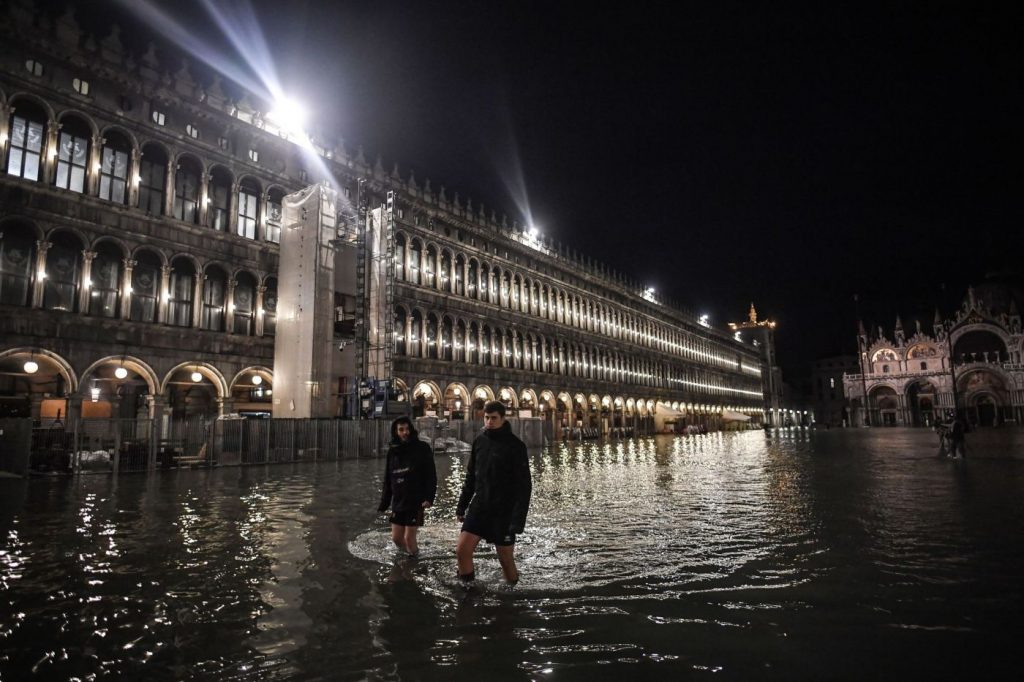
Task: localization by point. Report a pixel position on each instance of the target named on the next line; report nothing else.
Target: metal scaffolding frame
(375, 287)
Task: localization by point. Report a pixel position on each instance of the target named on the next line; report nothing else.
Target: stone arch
(265, 374)
(69, 229)
(207, 370)
(8, 221)
(63, 367)
(16, 97)
(112, 239)
(132, 364)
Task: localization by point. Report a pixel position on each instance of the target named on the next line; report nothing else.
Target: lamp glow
(197, 377)
(120, 372)
(257, 380)
(31, 367)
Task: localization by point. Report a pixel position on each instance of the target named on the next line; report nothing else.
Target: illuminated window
(34, 67)
(192, 131)
(80, 86)
(247, 203)
(223, 143)
(254, 156)
(158, 117)
(72, 154)
(114, 170)
(26, 147)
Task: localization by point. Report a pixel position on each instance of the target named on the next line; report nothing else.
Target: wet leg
(398, 535)
(508, 563)
(464, 553)
(411, 545)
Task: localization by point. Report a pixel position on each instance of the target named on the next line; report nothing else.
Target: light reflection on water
(844, 554)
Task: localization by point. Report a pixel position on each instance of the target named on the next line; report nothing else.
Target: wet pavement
(842, 554)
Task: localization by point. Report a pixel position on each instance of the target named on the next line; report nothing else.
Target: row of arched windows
(425, 264)
(441, 336)
(103, 279)
(112, 167)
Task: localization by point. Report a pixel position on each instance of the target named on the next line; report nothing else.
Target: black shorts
(495, 533)
(411, 517)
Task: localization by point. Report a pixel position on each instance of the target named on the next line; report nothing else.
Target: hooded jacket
(498, 486)
(410, 478)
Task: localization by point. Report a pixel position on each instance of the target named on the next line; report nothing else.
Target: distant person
(495, 496)
(956, 438)
(410, 484)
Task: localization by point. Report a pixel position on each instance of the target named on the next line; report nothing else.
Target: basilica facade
(970, 363)
(140, 221)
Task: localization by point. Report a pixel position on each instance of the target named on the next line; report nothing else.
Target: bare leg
(464, 552)
(410, 539)
(398, 535)
(508, 563)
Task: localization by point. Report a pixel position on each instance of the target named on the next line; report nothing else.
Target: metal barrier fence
(125, 445)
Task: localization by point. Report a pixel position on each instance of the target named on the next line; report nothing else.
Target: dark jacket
(410, 478)
(497, 488)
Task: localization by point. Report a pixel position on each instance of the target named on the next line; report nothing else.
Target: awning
(730, 416)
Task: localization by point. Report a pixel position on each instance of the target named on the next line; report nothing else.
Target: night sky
(723, 153)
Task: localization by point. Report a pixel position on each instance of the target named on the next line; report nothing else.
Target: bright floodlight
(704, 320)
(288, 114)
(534, 232)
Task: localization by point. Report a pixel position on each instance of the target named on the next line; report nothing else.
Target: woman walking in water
(410, 484)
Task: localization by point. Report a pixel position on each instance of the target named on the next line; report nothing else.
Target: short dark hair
(495, 406)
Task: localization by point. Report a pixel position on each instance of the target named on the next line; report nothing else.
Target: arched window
(473, 345)
(486, 347)
(114, 169)
(275, 212)
(474, 276)
(400, 257)
(182, 291)
(415, 333)
(72, 154)
(432, 339)
(445, 272)
(105, 279)
(460, 285)
(400, 317)
(245, 304)
(446, 338)
(27, 125)
(248, 211)
(505, 290)
(214, 299)
(270, 308)
(63, 268)
(415, 251)
(485, 282)
(152, 177)
(186, 191)
(17, 258)
(219, 197)
(430, 267)
(459, 343)
(145, 287)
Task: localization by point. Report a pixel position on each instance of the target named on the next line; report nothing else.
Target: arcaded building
(970, 361)
(140, 220)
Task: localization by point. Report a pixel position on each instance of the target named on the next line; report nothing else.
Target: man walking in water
(495, 496)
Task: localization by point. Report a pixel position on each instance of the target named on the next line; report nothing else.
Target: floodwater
(843, 554)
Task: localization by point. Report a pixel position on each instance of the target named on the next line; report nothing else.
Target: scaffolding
(375, 321)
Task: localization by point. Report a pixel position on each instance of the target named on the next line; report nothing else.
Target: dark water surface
(850, 554)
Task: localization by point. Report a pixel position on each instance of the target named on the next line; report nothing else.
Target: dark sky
(724, 153)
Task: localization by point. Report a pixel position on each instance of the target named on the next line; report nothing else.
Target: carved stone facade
(140, 214)
(971, 362)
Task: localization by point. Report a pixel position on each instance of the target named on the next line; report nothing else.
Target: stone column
(5, 116)
(85, 288)
(39, 278)
(260, 291)
(134, 168)
(50, 152)
(204, 197)
(233, 208)
(261, 219)
(165, 294)
(422, 333)
(172, 169)
(126, 287)
(225, 406)
(197, 300)
(229, 313)
(408, 334)
(93, 171)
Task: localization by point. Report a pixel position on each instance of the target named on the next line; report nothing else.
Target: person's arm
(523, 490)
(385, 496)
(429, 477)
(468, 486)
